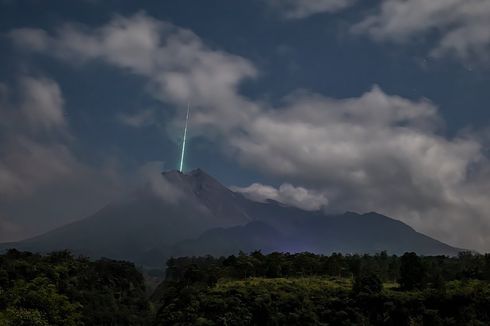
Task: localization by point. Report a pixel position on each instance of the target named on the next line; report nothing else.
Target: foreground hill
(193, 214)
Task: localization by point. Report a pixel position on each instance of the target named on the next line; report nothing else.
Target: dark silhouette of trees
(309, 289)
(247, 289)
(412, 272)
(59, 289)
(368, 284)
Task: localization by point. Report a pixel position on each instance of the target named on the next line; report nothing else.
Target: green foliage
(368, 284)
(247, 289)
(321, 301)
(58, 289)
(22, 317)
(412, 272)
(308, 289)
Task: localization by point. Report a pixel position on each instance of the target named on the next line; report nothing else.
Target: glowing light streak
(181, 168)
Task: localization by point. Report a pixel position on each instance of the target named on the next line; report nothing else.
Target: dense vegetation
(308, 289)
(254, 289)
(58, 289)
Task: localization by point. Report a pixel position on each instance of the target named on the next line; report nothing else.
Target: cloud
(30, 38)
(27, 158)
(38, 105)
(42, 103)
(28, 164)
(151, 174)
(180, 67)
(297, 9)
(287, 194)
(376, 151)
(9, 231)
(137, 120)
(43, 183)
(462, 28)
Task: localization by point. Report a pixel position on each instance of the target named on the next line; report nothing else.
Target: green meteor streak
(183, 143)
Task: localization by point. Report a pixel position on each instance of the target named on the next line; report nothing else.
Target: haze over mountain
(193, 214)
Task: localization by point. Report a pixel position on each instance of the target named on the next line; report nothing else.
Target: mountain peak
(194, 173)
(197, 179)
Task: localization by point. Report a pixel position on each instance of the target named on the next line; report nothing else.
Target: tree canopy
(247, 289)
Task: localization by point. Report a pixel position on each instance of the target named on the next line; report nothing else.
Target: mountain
(223, 242)
(193, 214)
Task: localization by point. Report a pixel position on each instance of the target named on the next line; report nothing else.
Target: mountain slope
(145, 219)
(193, 214)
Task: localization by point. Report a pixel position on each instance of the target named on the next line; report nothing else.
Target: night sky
(339, 105)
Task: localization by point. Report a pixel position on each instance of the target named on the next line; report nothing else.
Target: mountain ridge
(193, 213)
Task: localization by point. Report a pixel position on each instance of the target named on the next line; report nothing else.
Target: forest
(247, 289)
(59, 289)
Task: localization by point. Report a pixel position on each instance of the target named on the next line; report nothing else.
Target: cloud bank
(377, 151)
(287, 194)
(42, 181)
(29, 158)
(462, 28)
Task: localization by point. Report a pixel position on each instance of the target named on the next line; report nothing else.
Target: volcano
(179, 214)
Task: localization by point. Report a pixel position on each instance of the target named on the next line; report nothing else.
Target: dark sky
(325, 104)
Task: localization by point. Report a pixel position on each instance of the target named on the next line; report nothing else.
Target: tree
(22, 317)
(412, 272)
(58, 289)
(368, 284)
(486, 267)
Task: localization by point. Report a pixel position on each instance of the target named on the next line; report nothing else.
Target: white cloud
(28, 164)
(43, 184)
(26, 159)
(462, 28)
(42, 103)
(151, 174)
(375, 153)
(372, 152)
(181, 68)
(287, 194)
(297, 9)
